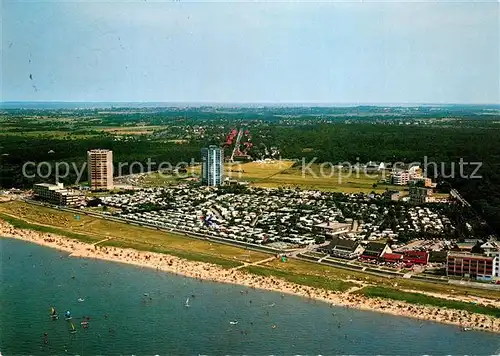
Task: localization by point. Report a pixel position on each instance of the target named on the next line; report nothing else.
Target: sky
(251, 52)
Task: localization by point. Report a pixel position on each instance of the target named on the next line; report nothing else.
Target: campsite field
(131, 130)
(288, 174)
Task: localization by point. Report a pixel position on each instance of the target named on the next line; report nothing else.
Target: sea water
(140, 311)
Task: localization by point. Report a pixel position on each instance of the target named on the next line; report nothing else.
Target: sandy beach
(210, 272)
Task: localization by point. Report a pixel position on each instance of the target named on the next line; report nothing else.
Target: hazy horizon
(334, 53)
(268, 103)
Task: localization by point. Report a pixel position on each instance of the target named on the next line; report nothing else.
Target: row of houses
(375, 251)
(484, 267)
(417, 219)
(195, 221)
(287, 212)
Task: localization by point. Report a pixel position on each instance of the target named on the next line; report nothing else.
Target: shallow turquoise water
(124, 321)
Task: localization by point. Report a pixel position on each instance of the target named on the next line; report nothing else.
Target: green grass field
(157, 179)
(21, 224)
(276, 174)
(50, 134)
(125, 235)
(311, 280)
(417, 298)
(92, 229)
(326, 179)
(307, 268)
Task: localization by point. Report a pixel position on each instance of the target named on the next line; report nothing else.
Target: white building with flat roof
(333, 228)
(57, 194)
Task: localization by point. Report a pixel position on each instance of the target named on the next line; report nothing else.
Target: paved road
(98, 242)
(306, 249)
(254, 263)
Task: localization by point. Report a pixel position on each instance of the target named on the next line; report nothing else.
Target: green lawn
(307, 268)
(315, 177)
(310, 280)
(417, 298)
(89, 227)
(21, 224)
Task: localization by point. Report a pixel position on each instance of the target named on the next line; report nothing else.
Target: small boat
(233, 322)
(73, 329)
(81, 300)
(466, 329)
(187, 303)
(53, 313)
(146, 294)
(67, 315)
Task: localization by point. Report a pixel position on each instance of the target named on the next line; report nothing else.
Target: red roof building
(392, 257)
(416, 257)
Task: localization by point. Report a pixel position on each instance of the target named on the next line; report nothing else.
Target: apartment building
(400, 177)
(57, 194)
(100, 169)
(419, 195)
(424, 181)
(332, 228)
(471, 265)
(492, 249)
(411, 174)
(212, 166)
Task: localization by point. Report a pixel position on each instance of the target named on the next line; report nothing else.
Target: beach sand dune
(206, 271)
